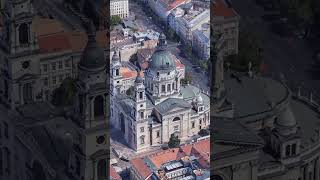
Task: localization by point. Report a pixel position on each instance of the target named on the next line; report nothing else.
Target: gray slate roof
(171, 103)
(254, 95)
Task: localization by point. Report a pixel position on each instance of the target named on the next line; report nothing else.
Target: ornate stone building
(270, 133)
(43, 142)
(159, 104)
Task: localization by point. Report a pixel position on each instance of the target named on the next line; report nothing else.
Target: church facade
(158, 105)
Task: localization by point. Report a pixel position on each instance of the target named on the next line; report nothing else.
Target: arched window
(78, 165)
(7, 155)
(288, 150)
(102, 169)
(98, 106)
(293, 149)
(142, 139)
(1, 163)
(176, 119)
(24, 33)
(6, 89)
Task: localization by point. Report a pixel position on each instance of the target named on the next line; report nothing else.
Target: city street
(198, 79)
(290, 56)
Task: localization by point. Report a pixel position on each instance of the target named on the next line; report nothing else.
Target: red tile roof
(54, 43)
(128, 73)
(200, 149)
(114, 174)
(141, 167)
(220, 8)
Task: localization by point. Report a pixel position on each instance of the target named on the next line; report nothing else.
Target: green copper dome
(162, 60)
(93, 55)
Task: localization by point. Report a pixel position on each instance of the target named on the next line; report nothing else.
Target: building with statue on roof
(47, 142)
(269, 129)
(158, 105)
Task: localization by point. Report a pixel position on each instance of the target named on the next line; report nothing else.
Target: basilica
(157, 104)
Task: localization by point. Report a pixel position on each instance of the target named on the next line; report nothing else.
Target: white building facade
(119, 8)
(159, 105)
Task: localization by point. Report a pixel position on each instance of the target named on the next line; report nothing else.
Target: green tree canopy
(115, 20)
(249, 51)
(174, 141)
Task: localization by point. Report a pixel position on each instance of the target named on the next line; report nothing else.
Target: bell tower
(140, 98)
(93, 98)
(22, 32)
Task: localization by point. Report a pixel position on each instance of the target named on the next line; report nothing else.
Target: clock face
(101, 139)
(25, 64)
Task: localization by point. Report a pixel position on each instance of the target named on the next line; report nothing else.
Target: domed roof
(286, 118)
(162, 60)
(93, 55)
(138, 78)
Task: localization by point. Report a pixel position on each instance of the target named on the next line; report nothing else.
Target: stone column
(254, 169)
(235, 169)
(316, 169)
(21, 93)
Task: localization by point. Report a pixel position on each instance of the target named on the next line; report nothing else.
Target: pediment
(26, 77)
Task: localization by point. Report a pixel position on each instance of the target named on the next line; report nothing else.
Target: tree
(249, 51)
(65, 94)
(204, 132)
(115, 20)
(174, 141)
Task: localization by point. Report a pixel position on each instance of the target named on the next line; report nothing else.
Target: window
(176, 119)
(117, 72)
(142, 129)
(1, 162)
(173, 86)
(45, 68)
(60, 64)
(163, 88)
(158, 134)
(46, 94)
(53, 66)
(140, 95)
(176, 128)
(54, 80)
(141, 105)
(68, 75)
(6, 130)
(142, 140)
(192, 124)
(45, 81)
(141, 115)
(293, 149)
(67, 63)
(169, 87)
(24, 34)
(288, 150)
(7, 156)
(200, 121)
(60, 78)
